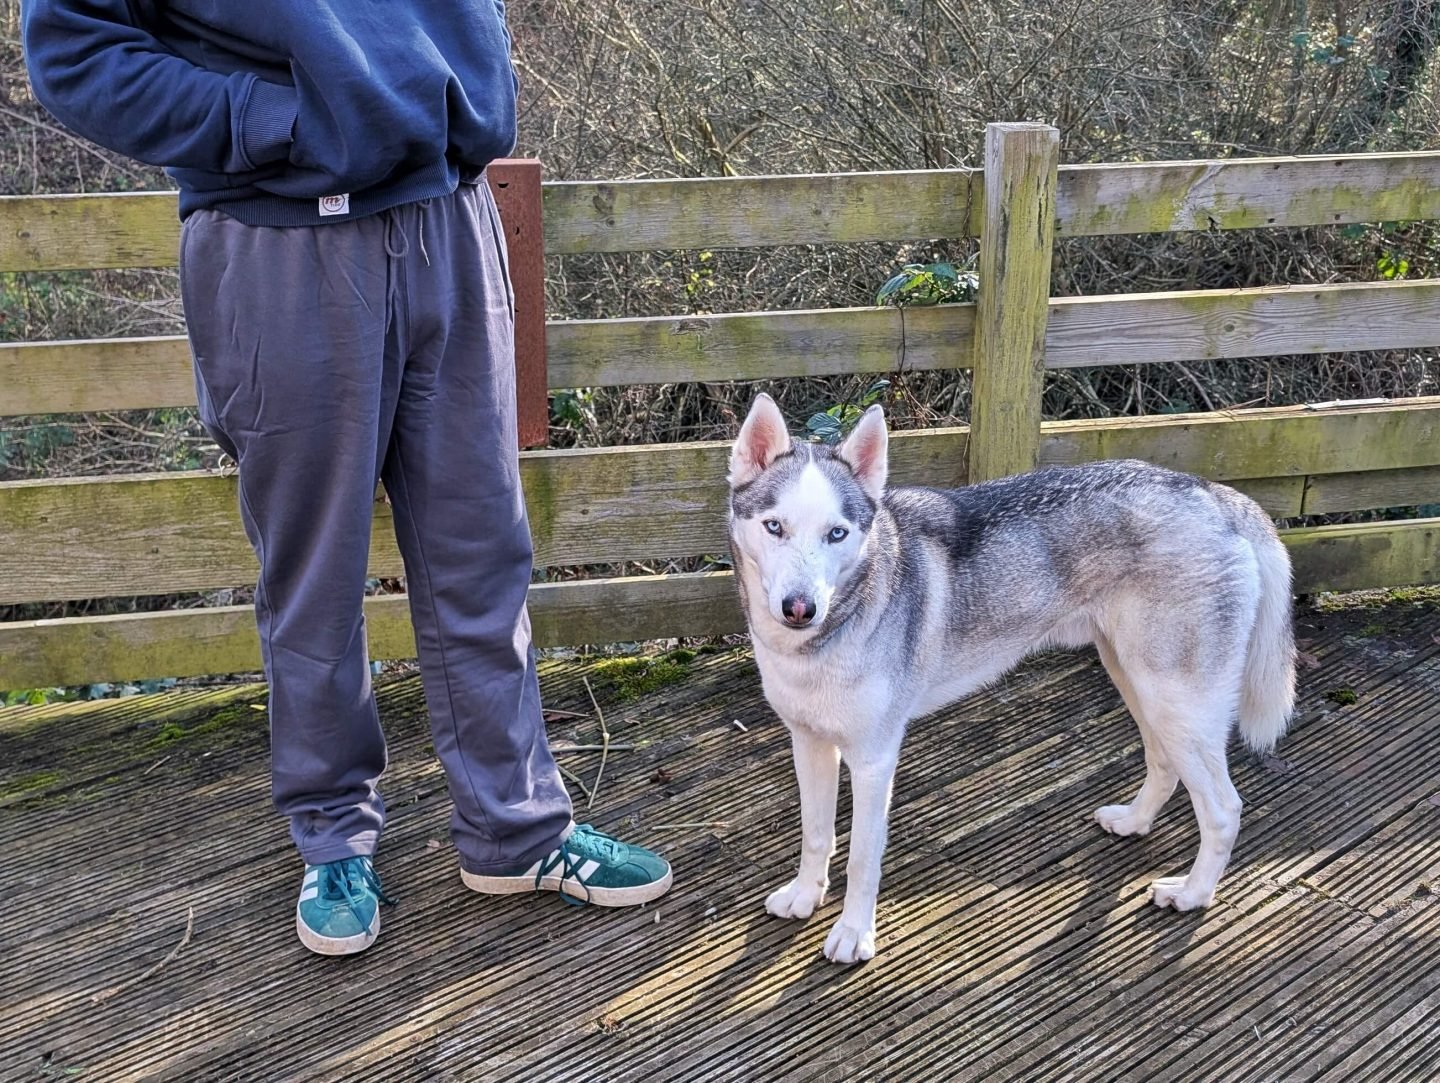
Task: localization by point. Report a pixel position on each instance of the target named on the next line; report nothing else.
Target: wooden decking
(1017, 941)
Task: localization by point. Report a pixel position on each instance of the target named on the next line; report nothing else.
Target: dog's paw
(1121, 820)
(796, 900)
(850, 942)
(1172, 892)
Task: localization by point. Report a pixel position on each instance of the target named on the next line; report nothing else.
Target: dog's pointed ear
(867, 451)
(763, 439)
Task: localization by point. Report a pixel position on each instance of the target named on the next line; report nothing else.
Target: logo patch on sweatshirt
(332, 205)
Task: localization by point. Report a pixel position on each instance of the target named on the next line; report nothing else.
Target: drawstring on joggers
(393, 230)
(424, 206)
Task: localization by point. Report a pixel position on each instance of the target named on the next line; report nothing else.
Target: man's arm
(509, 45)
(112, 82)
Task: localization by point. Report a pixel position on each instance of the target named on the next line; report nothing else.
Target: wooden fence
(128, 535)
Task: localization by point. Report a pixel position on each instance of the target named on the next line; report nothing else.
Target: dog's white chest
(836, 697)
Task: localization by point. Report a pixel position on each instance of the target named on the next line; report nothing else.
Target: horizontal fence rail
(150, 534)
(139, 535)
(95, 232)
(1151, 328)
(198, 642)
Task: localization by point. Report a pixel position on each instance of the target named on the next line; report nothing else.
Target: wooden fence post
(515, 183)
(1017, 238)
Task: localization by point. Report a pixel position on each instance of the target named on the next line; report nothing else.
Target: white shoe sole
(599, 896)
(336, 945)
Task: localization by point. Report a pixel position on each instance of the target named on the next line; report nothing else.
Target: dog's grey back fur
(1036, 560)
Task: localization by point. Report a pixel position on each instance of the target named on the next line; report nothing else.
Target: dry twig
(605, 746)
(116, 990)
(573, 777)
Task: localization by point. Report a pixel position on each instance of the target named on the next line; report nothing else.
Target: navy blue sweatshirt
(283, 112)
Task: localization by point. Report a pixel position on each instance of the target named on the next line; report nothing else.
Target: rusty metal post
(516, 185)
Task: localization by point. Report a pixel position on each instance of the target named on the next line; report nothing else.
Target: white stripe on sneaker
(309, 893)
(311, 878)
(587, 870)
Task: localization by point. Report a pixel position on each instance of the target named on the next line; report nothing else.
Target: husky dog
(869, 607)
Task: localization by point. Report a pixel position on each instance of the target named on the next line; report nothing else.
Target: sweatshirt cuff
(268, 123)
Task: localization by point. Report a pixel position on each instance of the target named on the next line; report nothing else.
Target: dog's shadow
(993, 845)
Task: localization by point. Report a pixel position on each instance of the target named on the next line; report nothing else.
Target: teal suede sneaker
(339, 908)
(588, 867)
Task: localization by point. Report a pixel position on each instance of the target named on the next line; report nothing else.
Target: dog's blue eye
(839, 534)
(773, 525)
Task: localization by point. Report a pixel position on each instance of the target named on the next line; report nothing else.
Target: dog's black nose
(799, 610)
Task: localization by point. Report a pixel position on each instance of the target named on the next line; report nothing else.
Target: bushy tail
(1267, 697)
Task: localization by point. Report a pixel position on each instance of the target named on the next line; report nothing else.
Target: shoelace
(347, 880)
(583, 844)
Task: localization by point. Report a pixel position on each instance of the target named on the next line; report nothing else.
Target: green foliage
(930, 284)
(35, 443)
(688, 276)
(1405, 248)
(38, 697)
(1391, 265)
(29, 697)
(1327, 55)
(574, 408)
(699, 279)
(830, 426)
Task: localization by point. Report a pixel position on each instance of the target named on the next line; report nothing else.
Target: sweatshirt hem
(263, 209)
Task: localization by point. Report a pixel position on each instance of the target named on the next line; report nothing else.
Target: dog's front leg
(817, 768)
(852, 940)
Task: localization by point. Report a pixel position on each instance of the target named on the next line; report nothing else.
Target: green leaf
(874, 392)
(1392, 266)
(824, 425)
(887, 291)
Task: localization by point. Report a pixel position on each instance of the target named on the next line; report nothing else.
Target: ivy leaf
(825, 426)
(888, 290)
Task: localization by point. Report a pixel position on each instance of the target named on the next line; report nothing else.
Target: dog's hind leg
(817, 769)
(1217, 808)
(872, 777)
(1191, 718)
(1137, 817)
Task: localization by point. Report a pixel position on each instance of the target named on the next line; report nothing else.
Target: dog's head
(801, 514)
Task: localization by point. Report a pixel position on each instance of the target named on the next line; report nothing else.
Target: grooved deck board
(1017, 941)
